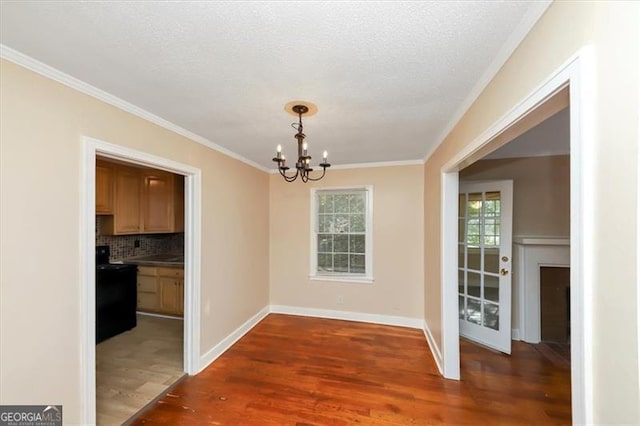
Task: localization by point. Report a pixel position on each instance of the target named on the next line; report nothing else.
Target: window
(341, 234)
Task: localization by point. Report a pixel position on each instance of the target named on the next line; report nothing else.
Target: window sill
(342, 279)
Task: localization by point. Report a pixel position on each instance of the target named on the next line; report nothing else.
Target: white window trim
(367, 278)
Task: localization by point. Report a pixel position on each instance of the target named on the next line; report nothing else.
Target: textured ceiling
(388, 77)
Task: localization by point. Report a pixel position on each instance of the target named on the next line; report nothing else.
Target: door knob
(503, 271)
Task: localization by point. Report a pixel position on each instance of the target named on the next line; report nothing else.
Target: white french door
(484, 262)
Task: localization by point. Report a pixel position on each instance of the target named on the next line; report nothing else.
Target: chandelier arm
(288, 178)
(324, 170)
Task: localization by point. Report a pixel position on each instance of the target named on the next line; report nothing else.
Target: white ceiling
(389, 78)
(551, 137)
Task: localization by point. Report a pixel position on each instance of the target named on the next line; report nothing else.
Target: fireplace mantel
(542, 241)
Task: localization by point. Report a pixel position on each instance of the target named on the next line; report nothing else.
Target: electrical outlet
(340, 299)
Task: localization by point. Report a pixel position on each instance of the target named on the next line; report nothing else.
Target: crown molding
(369, 165)
(519, 33)
(34, 65)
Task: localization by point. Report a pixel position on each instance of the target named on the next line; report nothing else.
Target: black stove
(115, 296)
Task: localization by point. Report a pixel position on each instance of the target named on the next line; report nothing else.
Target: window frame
(367, 277)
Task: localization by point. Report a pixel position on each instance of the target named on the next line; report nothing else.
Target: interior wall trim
(515, 334)
(48, 71)
(397, 321)
(217, 350)
(435, 351)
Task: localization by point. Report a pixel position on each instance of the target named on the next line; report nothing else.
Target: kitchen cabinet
(161, 290)
(126, 217)
(148, 293)
(157, 202)
(104, 188)
(145, 201)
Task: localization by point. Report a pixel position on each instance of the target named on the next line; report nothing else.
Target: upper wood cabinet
(104, 188)
(126, 217)
(145, 201)
(158, 202)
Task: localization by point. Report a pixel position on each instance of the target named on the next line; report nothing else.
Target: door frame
(578, 73)
(192, 246)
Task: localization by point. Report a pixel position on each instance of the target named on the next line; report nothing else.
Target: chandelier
(303, 165)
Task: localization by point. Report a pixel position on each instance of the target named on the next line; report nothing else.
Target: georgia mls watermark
(30, 415)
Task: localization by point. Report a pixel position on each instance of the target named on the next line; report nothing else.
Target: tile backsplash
(123, 246)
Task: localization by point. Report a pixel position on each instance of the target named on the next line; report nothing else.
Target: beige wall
(40, 283)
(397, 244)
(612, 29)
(541, 191)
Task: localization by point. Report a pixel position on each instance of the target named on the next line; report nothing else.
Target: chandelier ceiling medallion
(303, 165)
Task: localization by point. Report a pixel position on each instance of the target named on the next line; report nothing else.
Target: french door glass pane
(492, 288)
(473, 258)
(491, 315)
(474, 205)
(461, 281)
(473, 284)
(491, 259)
(473, 311)
(461, 307)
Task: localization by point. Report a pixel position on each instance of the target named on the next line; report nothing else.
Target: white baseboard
(213, 353)
(435, 351)
(349, 316)
(515, 334)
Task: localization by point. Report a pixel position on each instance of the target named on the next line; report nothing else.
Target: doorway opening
(574, 78)
(189, 328)
(505, 278)
(139, 286)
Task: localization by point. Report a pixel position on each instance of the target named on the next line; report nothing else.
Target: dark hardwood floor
(292, 370)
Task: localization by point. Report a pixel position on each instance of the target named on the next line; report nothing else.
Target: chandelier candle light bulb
(302, 166)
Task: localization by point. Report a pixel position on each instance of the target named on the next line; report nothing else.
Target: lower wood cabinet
(161, 290)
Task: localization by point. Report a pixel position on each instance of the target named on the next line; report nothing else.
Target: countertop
(167, 259)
